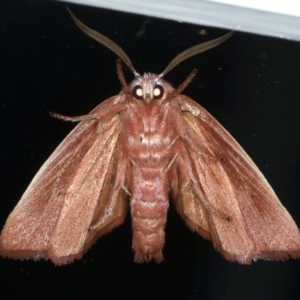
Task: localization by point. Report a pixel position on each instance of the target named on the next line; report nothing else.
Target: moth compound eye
(137, 92)
(158, 92)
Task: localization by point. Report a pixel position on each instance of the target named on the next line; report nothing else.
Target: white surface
(266, 17)
(288, 7)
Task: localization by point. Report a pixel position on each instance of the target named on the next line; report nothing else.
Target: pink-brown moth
(136, 150)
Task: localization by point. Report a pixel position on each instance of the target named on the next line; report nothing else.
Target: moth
(135, 151)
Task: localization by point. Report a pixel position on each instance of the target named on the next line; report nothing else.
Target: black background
(250, 84)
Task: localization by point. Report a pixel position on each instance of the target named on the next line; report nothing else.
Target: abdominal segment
(149, 205)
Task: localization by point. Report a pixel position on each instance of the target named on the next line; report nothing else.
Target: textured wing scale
(228, 201)
(72, 192)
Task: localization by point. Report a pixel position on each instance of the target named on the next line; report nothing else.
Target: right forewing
(225, 198)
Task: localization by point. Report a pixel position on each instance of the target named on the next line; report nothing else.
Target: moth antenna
(105, 41)
(199, 48)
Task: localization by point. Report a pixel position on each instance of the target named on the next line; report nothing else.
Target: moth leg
(113, 110)
(110, 108)
(74, 118)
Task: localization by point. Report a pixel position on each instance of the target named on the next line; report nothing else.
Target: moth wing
(72, 199)
(226, 199)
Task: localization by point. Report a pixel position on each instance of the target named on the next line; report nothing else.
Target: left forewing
(226, 198)
(72, 200)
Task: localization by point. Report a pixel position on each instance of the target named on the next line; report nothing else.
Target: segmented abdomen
(150, 143)
(149, 206)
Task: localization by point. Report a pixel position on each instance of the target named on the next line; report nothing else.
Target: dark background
(250, 84)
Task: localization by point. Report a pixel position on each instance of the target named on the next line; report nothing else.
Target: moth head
(150, 87)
